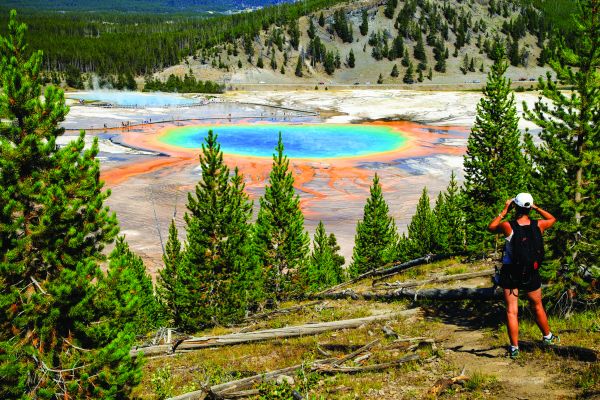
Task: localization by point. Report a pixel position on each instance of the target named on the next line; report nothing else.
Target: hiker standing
(523, 256)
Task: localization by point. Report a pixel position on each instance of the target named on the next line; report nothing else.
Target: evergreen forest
(113, 44)
(71, 311)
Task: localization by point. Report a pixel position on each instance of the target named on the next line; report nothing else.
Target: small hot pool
(313, 141)
(133, 99)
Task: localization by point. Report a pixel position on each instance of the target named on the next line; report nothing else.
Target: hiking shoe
(553, 340)
(513, 353)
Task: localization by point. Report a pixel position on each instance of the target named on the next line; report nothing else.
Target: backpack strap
(515, 227)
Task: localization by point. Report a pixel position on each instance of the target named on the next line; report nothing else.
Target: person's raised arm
(497, 225)
(548, 220)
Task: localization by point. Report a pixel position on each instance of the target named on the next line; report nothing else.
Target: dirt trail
(470, 338)
(519, 379)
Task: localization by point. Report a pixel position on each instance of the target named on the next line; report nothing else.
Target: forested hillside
(160, 6)
(110, 42)
(408, 40)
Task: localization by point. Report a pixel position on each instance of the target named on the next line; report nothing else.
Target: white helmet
(524, 200)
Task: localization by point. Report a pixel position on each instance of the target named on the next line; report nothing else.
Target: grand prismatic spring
(302, 141)
(335, 141)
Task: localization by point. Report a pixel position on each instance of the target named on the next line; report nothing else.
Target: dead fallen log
(386, 270)
(465, 293)
(344, 294)
(354, 353)
(280, 311)
(196, 343)
(437, 279)
(442, 384)
(331, 369)
(384, 274)
(221, 390)
(242, 394)
(237, 388)
(483, 294)
(241, 387)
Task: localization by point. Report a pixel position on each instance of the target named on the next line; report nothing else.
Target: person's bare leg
(511, 296)
(535, 301)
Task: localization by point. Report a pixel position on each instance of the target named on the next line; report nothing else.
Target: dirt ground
(469, 340)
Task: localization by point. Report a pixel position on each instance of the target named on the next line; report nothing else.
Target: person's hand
(508, 204)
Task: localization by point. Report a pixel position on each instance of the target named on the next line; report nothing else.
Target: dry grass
(217, 365)
(186, 372)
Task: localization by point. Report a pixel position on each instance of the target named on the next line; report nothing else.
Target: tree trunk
(447, 278)
(223, 390)
(483, 294)
(386, 270)
(196, 343)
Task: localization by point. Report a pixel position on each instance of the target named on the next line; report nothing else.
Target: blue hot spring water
(137, 99)
(309, 141)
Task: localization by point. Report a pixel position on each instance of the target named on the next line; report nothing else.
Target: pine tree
(442, 229)
(351, 59)
(329, 63)
(218, 245)
(312, 31)
(364, 26)
(390, 8)
(53, 228)
(419, 50)
(440, 52)
(299, 67)
(514, 52)
(403, 249)
(273, 61)
(169, 279)
(280, 240)
(321, 20)
(397, 49)
(376, 235)
(73, 77)
(323, 268)
(405, 59)
(430, 74)
(260, 63)
(422, 229)
(130, 83)
(566, 161)
(420, 75)
(380, 79)
(395, 73)
(294, 32)
(245, 287)
(338, 259)
(454, 216)
(409, 76)
(465, 65)
(127, 292)
(495, 169)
